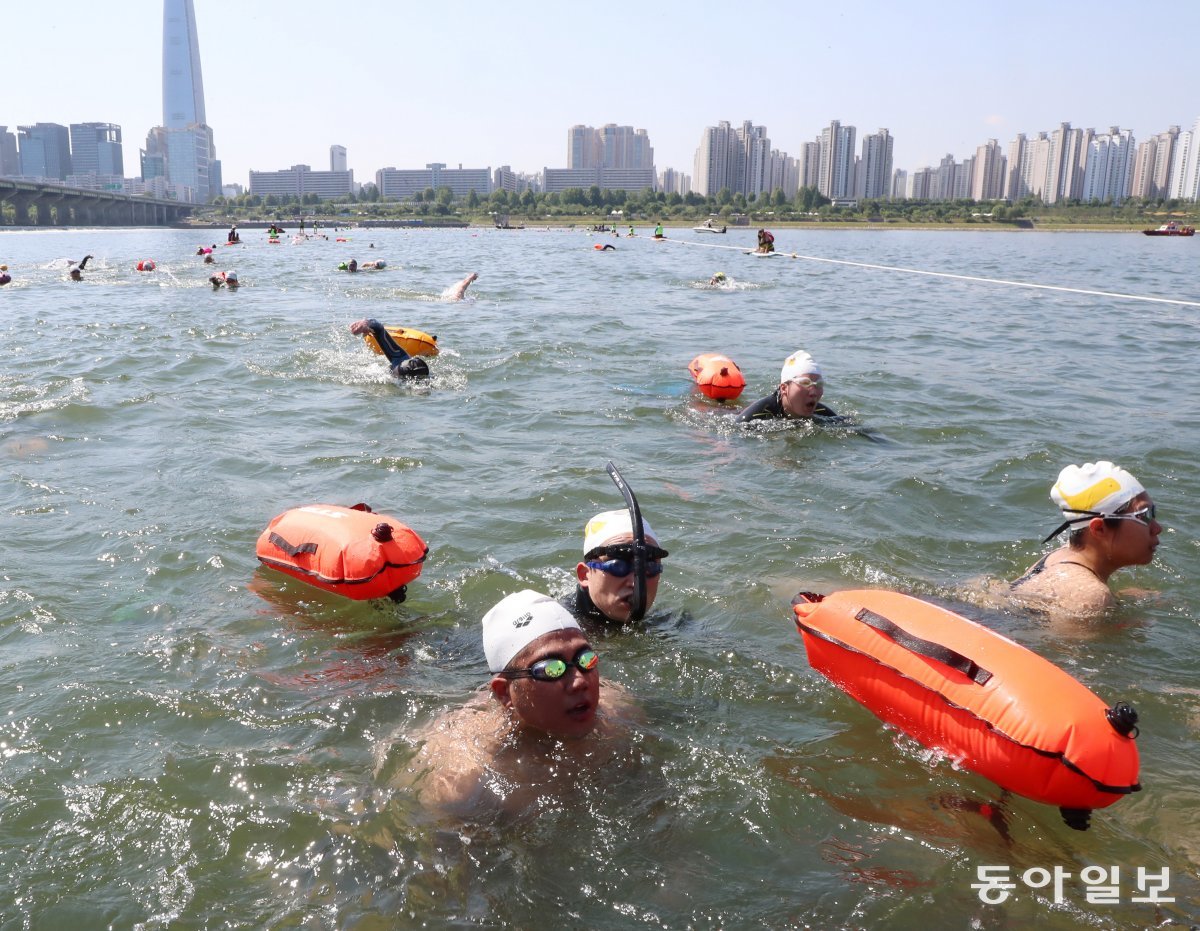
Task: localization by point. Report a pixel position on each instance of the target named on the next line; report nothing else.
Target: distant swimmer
(208, 259)
(798, 396)
(76, 273)
(456, 292)
(605, 247)
(719, 280)
(1110, 520)
(5, 277)
(227, 279)
(352, 266)
(374, 266)
(403, 365)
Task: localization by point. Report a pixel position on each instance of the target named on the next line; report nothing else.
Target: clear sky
(486, 84)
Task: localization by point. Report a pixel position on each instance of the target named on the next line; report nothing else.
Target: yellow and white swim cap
(1093, 489)
(610, 524)
(797, 365)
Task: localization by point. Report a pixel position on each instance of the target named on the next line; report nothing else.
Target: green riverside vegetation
(594, 207)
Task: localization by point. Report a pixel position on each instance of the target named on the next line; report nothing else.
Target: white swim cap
(603, 527)
(231, 276)
(516, 621)
(798, 364)
(1094, 488)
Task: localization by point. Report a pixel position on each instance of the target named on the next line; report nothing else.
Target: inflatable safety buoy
(146, 265)
(347, 551)
(414, 342)
(993, 706)
(717, 376)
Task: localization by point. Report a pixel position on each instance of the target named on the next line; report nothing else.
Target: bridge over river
(38, 204)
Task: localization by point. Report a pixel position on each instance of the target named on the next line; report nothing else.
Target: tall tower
(183, 85)
(185, 147)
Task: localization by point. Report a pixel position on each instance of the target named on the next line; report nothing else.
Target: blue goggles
(619, 561)
(554, 668)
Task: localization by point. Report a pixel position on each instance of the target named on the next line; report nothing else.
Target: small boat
(707, 228)
(1171, 229)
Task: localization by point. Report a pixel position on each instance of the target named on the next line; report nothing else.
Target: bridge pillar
(21, 203)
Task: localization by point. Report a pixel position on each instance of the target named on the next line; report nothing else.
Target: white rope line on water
(920, 271)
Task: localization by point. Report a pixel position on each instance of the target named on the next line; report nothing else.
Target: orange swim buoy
(990, 704)
(347, 551)
(717, 376)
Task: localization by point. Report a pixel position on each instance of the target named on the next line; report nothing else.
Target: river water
(189, 740)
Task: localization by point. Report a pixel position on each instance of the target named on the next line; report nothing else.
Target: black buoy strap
(935, 651)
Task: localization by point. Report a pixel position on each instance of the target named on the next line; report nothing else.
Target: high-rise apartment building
(1108, 175)
(337, 158)
(741, 160)
(96, 149)
(1185, 177)
(987, 180)
(183, 145)
(716, 160)
(1166, 147)
(45, 151)
(809, 163)
(10, 161)
(610, 146)
(836, 173)
(876, 165)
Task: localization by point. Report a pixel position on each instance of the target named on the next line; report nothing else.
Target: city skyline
(280, 93)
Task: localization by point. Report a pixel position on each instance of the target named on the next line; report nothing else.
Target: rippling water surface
(188, 740)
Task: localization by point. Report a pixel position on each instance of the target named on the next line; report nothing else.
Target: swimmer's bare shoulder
(456, 748)
(1066, 590)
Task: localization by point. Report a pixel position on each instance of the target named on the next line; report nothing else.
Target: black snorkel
(637, 609)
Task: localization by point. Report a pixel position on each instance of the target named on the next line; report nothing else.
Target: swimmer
(719, 280)
(798, 396)
(605, 589)
(605, 247)
(352, 266)
(76, 273)
(456, 292)
(546, 715)
(5, 277)
(374, 266)
(1111, 523)
(228, 279)
(208, 258)
(403, 365)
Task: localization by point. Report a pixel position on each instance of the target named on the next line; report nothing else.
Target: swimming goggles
(808, 381)
(620, 560)
(622, 567)
(1145, 515)
(555, 667)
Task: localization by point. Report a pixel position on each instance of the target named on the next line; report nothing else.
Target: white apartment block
(300, 180)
